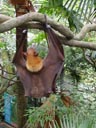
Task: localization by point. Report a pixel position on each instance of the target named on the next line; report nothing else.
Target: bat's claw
(49, 92)
(24, 31)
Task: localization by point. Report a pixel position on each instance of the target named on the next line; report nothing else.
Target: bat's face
(31, 52)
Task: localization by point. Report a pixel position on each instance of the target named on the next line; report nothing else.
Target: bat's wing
(55, 47)
(18, 59)
(43, 82)
(54, 62)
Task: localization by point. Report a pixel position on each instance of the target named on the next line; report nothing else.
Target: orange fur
(33, 62)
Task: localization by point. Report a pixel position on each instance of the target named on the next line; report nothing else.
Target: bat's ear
(24, 53)
(35, 53)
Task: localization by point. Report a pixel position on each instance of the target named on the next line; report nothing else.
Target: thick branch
(87, 28)
(33, 16)
(80, 44)
(4, 18)
(72, 43)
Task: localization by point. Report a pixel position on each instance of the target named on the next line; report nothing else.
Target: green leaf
(2, 44)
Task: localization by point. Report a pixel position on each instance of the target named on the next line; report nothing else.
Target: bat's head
(31, 52)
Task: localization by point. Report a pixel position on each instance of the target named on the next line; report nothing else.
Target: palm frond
(55, 3)
(83, 8)
(74, 121)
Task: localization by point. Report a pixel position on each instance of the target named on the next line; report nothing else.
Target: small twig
(1, 69)
(2, 90)
(5, 71)
(7, 78)
(88, 58)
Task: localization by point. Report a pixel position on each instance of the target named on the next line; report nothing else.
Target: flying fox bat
(42, 82)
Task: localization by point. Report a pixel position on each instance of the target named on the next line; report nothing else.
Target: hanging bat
(43, 82)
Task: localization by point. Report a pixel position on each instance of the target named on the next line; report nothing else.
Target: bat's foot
(49, 93)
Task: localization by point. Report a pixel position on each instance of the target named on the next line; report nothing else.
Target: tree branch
(4, 18)
(34, 16)
(63, 30)
(28, 18)
(87, 28)
(80, 44)
(3, 71)
(88, 58)
(9, 83)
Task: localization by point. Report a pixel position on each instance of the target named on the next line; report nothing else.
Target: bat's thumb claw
(24, 31)
(47, 26)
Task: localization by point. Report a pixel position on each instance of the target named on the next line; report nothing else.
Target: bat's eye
(35, 53)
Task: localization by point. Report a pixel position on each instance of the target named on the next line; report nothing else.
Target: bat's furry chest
(34, 64)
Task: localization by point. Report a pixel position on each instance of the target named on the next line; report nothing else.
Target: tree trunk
(21, 100)
(21, 106)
